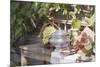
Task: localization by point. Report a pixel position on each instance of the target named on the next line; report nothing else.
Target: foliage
(29, 17)
(76, 24)
(91, 20)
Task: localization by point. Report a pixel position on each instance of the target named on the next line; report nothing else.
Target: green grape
(47, 33)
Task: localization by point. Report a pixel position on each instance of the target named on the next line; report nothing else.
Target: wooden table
(35, 51)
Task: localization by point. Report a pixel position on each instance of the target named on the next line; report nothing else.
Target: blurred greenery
(37, 18)
(30, 17)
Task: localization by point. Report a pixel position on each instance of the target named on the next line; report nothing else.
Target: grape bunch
(47, 33)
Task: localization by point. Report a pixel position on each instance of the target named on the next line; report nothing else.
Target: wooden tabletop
(35, 51)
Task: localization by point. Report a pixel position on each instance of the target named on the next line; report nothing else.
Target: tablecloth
(57, 58)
